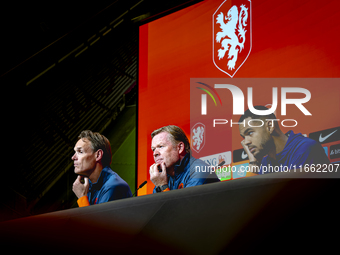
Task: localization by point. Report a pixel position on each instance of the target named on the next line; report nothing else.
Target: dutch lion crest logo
(231, 35)
(198, 137)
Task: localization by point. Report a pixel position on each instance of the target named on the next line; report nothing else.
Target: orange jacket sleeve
(83, 201)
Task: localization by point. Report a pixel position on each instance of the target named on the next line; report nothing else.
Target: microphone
(140, 186)
(222, 163)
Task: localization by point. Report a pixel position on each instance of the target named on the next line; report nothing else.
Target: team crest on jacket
(231, 35)
(198, 137)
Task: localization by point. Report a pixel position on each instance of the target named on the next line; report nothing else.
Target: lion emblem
(232, 32)
(197, 137)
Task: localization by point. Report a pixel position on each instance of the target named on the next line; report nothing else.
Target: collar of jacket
(182, 166)
(102, 178)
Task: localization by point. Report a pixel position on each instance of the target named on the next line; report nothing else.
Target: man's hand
(246, 149)
(79, 188)
(254, 165)
(158, 178)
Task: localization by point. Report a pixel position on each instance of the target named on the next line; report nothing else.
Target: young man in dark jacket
(268, 147)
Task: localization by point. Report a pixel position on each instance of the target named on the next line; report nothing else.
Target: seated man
(92, 159)
(174, 168)
(286, 150)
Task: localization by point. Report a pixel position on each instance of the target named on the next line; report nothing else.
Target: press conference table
(284, 211)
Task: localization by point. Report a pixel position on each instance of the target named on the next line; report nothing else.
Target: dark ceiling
(28, 27)
(54, 90)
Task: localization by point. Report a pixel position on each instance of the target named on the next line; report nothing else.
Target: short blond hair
(176, 135)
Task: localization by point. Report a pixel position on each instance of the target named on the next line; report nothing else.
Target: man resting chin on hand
(96, 182)
(174, 167)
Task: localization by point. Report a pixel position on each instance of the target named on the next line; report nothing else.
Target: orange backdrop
(290, 39)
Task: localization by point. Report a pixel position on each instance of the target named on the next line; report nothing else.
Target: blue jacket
(298, 151)
(110, 186)
(187, 176)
